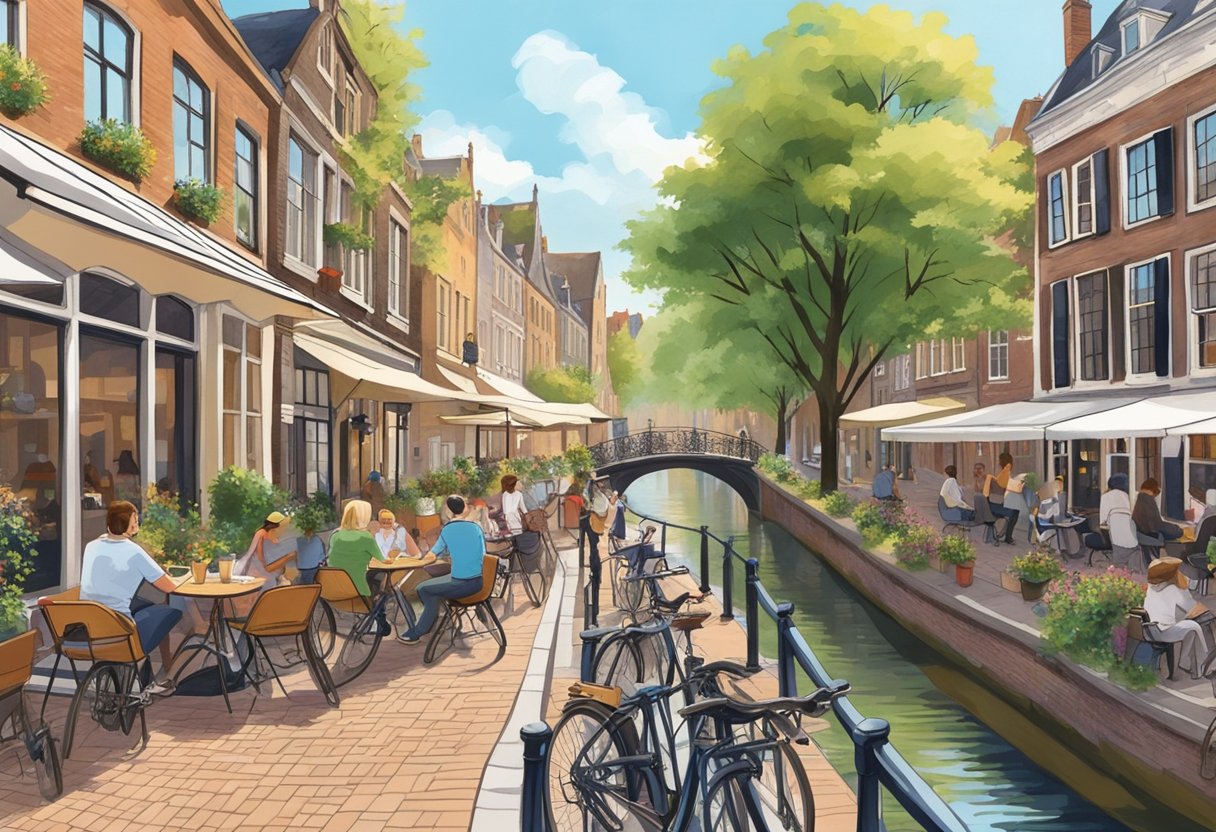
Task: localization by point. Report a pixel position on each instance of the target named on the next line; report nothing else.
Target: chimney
(416, 143)
(1077, 28)
(498, 226)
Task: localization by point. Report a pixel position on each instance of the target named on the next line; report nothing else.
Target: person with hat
(255, 563)
(1178, 617)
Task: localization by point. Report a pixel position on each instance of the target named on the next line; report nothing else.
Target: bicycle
(617, 779)
(643, 597)
(17, 654)
(348, 623)
(524, 558)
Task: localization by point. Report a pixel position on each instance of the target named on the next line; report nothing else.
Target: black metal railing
(679, 441)
(879, 765)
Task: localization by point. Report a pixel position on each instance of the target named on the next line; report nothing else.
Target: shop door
(176, 451)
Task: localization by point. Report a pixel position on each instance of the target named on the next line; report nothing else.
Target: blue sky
(514, 75)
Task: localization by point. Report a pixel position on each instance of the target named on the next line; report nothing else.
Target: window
(1203, 159)
(245, 188)
(1131, 36)
(325, 52)
(109, 299)
(357, 276)
(880, 369)
(352, 110)
(311, 438)
(1057, 201)
(190, 125)
(1140, 30)
(108, 65)
(443, 313)
(1141, 182)
(10, 24)
(398, 269)
(340, 111)
(174, 317)
(1083, 195)
(301, 202)
(1202, 267)
(1202, 460)
(1101, 57)
(958, 349)
(242, 394)
(1140, 318)
(903, 371)
(1092, 317)
(998, 354)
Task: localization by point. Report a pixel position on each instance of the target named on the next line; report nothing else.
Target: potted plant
(22, 84)
(17, 541)
(959, 551)
(121, 147)
(1035, 570)
(198, 200)
(317, 514)
(331, 278)
(404, 503)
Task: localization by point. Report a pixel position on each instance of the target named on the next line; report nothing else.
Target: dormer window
(1140, 30)
(1131, 36)
(1102, 57)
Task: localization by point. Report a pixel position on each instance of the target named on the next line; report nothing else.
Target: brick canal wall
(1146, 751)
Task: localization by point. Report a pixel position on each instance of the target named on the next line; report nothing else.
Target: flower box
(330, 278)
(22, 84)
(1010, 582)
(123, 148)
(198, 200)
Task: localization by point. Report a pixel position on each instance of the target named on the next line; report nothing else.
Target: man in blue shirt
(884, 484)
(465, 543)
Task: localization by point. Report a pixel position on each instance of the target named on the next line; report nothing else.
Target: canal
(988, 782)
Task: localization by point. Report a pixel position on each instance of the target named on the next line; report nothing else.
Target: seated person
(995, 491)
(393, 539)
(952, 493)
(885, 487)
(257, 562)
(1170, 605)
(1147, 515)
(113, 569)
(310, 554)
(352, 548)
(1115, 497)
(465, 543)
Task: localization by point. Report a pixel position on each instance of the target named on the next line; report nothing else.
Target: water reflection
(989, 783)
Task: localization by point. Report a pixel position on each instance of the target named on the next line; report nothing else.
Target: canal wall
(1147, 751)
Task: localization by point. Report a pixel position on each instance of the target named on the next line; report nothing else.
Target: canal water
(988, 782)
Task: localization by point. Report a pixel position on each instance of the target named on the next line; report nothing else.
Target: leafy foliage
(165, 531)
(779, 468)
(346, 235)
(838, 504)
(317, 514)
(1037, 566)
(439, 483)
(240, 501)
(17, 541)
(121, 147)
(561, 384)
(1085, 613)
(916, 545)
(578, 460)
(956, 549)
(22, 84)
(198, 200)
(624, 365)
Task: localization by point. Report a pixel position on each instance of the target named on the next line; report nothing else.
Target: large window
(1203, 158)
(1202, 268)
(1203, 461)
(245, 187)
(242, 396)
(311, 435)
(110, 398)
(1141, 182)
(301, 202)
(1057, 203)
(1140, 318)
(191, 131)
(443, 310)
(1083, 197)
(398, 269)
(998, 354)
(1092, 317)
(108, 65)
(357, 276)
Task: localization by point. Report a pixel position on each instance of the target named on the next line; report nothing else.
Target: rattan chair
(286, 612)
(470, 616)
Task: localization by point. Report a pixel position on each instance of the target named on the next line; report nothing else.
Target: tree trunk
(783, 405)
(829, 415)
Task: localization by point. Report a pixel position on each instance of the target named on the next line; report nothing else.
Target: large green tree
(848, 204)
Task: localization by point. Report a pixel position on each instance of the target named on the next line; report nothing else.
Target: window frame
(255, 163)
(1130, 376)
(443, 314)
(1133, 21)
(1076, 202)
(290, 258)
(241, 449)
(958, 355)
(1102, 57)
(994, 352)
(1077, 357)
(358, 262)
(132, 60)
(398, 248)
(1125, 174)
(14, 12)
(1193, 203)
(208, 145)
(1192, 314)
(1061, 176)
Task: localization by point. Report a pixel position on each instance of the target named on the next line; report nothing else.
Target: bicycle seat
(739, 710)
(650, 628)
(686, 622)
(596, 633)
(673, 604)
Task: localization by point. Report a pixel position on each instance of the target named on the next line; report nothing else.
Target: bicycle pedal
(610, 696)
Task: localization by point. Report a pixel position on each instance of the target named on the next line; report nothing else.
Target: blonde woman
(352, 548)
(392, 539)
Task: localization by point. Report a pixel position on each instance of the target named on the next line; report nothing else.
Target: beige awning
(550, 413)
(492, 419)
(462, 383)
(506, 387)
(901, 413)
(360, 364)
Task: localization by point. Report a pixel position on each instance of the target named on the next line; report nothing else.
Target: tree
(702, 354)
(561, 384)
(624, 365)
(848, 204)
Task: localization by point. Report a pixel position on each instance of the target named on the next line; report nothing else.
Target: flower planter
(964, 573)
(937, 563)
(1032, 591)
(329, 278)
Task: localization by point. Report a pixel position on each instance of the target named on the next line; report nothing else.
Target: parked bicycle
(346, 628)
(17, 661)
(524, 558)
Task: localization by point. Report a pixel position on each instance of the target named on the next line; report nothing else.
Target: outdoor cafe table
(392, 583)
(217, 628)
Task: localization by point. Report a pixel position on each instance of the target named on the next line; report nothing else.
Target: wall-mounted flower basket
(198, 200)
(22, 84)
(331, 278)
(123, 148)
(348, 236)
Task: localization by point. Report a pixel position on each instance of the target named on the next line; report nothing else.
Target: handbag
(536, 520)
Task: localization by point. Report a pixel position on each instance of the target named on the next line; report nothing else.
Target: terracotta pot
(1032, 591)
(198, 569)
(964, 573)
(329, 277)
(570, 513)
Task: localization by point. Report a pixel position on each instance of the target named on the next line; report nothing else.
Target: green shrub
(1037, 566)
(1084, 614)
(318, 513)
(867, 516)
(166, 532)
(439, 483)
(405, 499)
(121, 147)
(915, 546)
(838, 504)
(350, 237)
(809, 489)
(240, 501)
(956, 549)
(198, 200)
(22, 84)
(17, 541)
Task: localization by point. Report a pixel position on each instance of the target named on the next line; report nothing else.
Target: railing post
(867, 738)
(704, 559)
(591, 613)
(728, 604)
(663, 538)
(753, 614)
(532, 815)
(787, 683)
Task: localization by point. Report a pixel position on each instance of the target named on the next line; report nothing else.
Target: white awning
(553, 413)
(493, 419)
(901, 413)
(57, 205)
(507, 387)
(20, 265)
(462, 383)
(1013, 422)
(363, 365)
(1157, 416)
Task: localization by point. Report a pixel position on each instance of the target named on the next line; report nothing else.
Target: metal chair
(953, 518)
(16, 667)
(286, 612)
(1142, 630)
(461, 617)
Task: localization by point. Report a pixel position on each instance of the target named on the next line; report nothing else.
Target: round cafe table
(215, 640)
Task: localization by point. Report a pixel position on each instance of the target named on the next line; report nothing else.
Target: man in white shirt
(1172, 608)
(1115, 497)
(952, 493)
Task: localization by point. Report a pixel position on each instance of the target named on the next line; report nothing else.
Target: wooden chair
(286, 612)
(461, 616)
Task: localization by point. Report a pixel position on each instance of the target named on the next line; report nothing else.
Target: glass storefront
(31, 353)
(176, 451)
(109, 427)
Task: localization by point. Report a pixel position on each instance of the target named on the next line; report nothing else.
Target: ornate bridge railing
(683, 441)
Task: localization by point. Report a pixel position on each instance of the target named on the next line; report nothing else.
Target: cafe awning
(506, 387)
(360, 364)
(1013, 422)
(552, 413)
(901, 413)
(18, 264)
(56, 205)
(1152, 417)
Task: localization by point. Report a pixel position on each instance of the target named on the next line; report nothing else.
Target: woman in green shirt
(352, 547)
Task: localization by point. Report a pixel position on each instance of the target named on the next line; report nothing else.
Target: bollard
(536, 737)
(728, 602)
(704, 559)
(787, 682)
(867, 737)
(752, 610)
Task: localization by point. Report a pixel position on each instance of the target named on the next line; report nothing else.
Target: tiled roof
(581, 270)
(275, 37)
(447, 167)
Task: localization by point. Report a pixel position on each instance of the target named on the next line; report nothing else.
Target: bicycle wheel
(781, 791)
(324, 629)
(578, 744)
(619, 663)
(632, 599)
(534, 583)
(46, 763)
(108, 698)
(726, 807)
(357, 640)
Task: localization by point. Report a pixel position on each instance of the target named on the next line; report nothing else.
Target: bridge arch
(738, 475)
